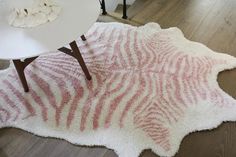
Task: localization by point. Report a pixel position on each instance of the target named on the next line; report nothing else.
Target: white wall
(112, 4)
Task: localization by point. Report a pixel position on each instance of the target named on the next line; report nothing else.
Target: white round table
(76, 18)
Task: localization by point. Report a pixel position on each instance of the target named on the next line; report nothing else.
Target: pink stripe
(223, 100)
(115, 102)
(141, 86)
(61, 66)
(194, 77)
(95, 33)
(199, 78)
(163, 67)
(86, 51)
(176, 107)
(138, 50)
(127, 48)
(85, 113)
(69, 62)
(162, 101)
(20, 97)
(109, 39)
(74, 67)
(160, 111)
(78, 89)
(8, 115)
(185, 84)
(45, 88)
(80, 92)
(38, 100)
(216, 98)
(100, 104)
(172, 60)
(142, 59)
(146, 55)
(156, 131)
(94, 52)
(190, 78)
(118, 49)
(201, 90)
(87, 108)
(171, 107)
(168, 59)
(138, 116)
(164, 53)
(87, 105)
(154, 53)
(146, 98)
(176, 82)
(10, 103)
(205, 77)
(172, 116)
(65, 94)
(161, 140)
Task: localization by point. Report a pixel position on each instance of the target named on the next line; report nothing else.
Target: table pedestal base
(74, 52)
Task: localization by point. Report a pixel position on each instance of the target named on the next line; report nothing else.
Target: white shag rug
(150, 88)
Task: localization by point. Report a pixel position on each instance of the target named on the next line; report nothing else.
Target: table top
(75, 19)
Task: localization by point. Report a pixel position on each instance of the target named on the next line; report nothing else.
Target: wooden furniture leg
(124, 10)
(75, 52)
(83, 38)
(20, 67)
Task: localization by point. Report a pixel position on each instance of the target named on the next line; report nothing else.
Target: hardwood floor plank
(110, 153)
(16, 142)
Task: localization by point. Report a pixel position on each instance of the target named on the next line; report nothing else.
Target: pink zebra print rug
(150, 88)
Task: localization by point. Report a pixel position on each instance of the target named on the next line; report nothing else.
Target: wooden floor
(212, 22)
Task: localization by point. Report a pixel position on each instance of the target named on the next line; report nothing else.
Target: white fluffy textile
(41, 12)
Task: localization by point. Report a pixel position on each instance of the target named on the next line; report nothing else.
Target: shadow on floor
(2, 153)
(4, 64)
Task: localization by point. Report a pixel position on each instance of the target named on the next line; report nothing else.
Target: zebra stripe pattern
(146, 81)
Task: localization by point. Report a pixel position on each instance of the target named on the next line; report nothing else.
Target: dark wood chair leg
(83, 38)
(78, 56)
(20, 70)
(20, 67)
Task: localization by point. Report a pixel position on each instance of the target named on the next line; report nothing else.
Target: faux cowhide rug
(150, 88)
